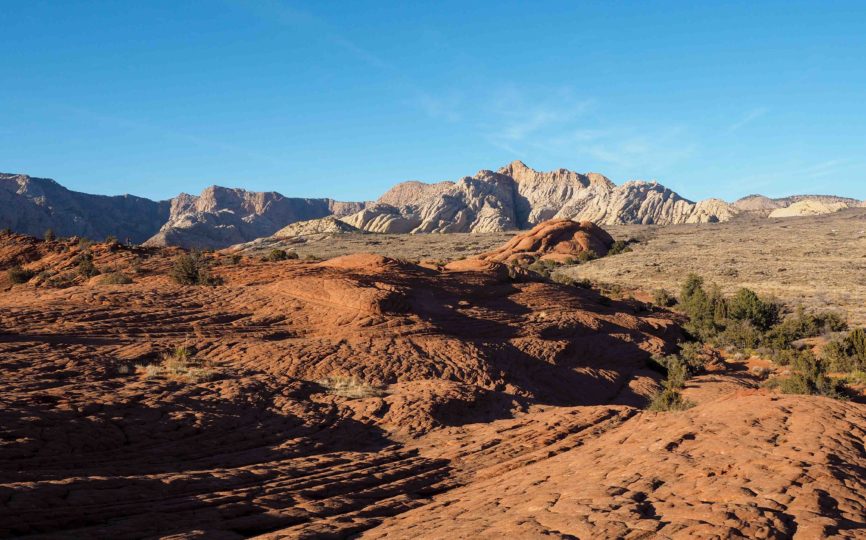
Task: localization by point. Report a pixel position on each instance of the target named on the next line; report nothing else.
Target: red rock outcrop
(557, 239)
(365, 395)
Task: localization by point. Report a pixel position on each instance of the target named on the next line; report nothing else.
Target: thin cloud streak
(750, 117)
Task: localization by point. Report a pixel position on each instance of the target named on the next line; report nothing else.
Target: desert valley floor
(370, 396)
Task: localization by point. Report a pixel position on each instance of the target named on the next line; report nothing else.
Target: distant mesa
(808, 208)
(795, 205)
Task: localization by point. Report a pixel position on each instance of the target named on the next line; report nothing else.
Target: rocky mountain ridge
(514, 197)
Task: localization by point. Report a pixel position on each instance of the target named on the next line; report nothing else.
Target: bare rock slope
(369, 396)
(220, 217)
(558, 239)
(31, 205)
(518, 197)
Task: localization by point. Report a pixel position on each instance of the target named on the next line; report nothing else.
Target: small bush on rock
(19, 275)
(191, 269)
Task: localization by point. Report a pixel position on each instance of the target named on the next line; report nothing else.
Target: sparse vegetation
(277, 255)
(180, 362)
(663, 298)
(191, 269)
(19, 275)
(748, 322)
(847, 354)
(115, 278)
(586, 256)
(809, 377)
(619, 246)
(350, 387)
(86, 268)
(670, 397)
(49, 235)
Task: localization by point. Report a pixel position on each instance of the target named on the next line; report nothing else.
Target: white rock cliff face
(220, 217)
(518, 197)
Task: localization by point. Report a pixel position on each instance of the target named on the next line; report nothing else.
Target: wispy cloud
(124, 123)
(749, 117)
(289, 16)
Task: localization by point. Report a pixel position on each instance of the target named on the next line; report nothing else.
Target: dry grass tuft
(350, 387)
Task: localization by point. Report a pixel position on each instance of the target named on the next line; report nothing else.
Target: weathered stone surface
(221, 217)
(518, 197)
(31, 205)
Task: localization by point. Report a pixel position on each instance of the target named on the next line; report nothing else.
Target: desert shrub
(191, 269)
(857, 378)
(236, 258)
(809, 377)
(5, 231)
(115, 278)
(111, 239)
(563, 279)
(619, 246)
(669, 398)
(747, 306)
(277, 255)
(705, 309)
(802, 325)
(740, 335)
(19, 275)
(350, 387)
(663, 298)
(848, 353)
(543, 267)
(181, 362)
(586, 256)
(86, 268)
(49, 235)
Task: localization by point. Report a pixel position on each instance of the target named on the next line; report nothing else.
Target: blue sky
(344, 99)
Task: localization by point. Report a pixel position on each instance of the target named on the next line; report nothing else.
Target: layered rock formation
(220, 217)
(808, 208)
(557, 239)
(369, 397)
(821, 204)
(518, 197)
(32, 205)
(515, 197)
(325, 225)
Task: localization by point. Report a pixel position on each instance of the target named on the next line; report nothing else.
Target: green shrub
(808, 377)
(739, 334)
(543, 267)
(191, 269)
(803, 325)
(49, 236)
(669, 400)
(663, 298)
(115, 278)
(586, 256)
(277, 255)
(619, 246)
(747, 306)
(19, 275)
(86, 268)
(848, 353)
